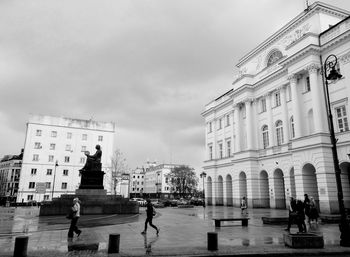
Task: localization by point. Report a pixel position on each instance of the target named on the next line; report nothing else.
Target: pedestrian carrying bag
(154, 212)
(70, 213)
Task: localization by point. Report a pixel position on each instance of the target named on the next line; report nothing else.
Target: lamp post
(203, 175)
(54, 178)
(331, 74)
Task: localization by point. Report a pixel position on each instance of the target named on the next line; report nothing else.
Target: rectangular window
(29, 197)
(66, 158)
(52, 146)
(82, 159)
(48, 185)
(100, 138)
(220, 150)
(53, 133)
(65, 172)
(263, 105)
(31, 184)
(277, 96)
(68, 148)
(210, 148)
(49, 172)
(342, 118)
(37, 145)
(33, 171)
(307, 84)
(83, 148)
(51, 158)
(35, 157)
(69, 135)
(228, 148)
(64, 185)
(228, 121)
(38, 132)
(84, 137)
(210, 127)
(219, 124)
(46, 197)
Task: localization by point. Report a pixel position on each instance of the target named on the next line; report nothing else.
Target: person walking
(150, 213)
(244, 206)
(307, 207)
(76, 215)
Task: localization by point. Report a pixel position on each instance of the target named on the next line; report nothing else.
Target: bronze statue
(92, 160)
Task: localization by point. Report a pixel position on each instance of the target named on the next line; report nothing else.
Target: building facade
(54, 152)
(268, 138)
(137, 182)
(10, 170)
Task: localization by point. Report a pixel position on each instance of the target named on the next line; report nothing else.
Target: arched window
(279, 132)
(265, 136)
(292, 130)
(274, 57)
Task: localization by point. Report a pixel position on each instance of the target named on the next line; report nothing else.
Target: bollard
(21, 246)
(212, 241)
(113, 243)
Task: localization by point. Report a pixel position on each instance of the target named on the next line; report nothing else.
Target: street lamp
(330, 68)
(203, 175)
(54, 178)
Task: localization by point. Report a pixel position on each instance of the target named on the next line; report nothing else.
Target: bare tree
(119, 166)
(183, 180)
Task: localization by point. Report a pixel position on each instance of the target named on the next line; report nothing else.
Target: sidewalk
(183, 232)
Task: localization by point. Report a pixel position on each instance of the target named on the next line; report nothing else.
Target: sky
(150, 66)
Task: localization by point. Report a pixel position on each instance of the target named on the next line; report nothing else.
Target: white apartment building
(137, 182)
(268, 138)
(54, 152)
(10, 169)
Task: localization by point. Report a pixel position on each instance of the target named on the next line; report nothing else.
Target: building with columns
(268, 138)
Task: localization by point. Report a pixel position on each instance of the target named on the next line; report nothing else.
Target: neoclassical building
(268, 137)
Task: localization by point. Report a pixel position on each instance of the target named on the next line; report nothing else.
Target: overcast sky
(150, 66)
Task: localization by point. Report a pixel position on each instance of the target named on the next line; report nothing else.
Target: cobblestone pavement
(183, 231)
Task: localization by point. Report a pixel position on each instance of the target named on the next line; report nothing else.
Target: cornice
(270, 77)
(309, 50)
(335, 41)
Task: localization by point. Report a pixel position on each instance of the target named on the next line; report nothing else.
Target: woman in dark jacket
(149, 211)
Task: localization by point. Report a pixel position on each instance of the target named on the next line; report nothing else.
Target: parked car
(141, 201)
(182, 201)
(157, 204)
(166, 202)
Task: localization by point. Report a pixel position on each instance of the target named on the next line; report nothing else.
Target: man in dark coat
(150, 212)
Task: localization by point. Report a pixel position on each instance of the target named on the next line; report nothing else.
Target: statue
(91, 173)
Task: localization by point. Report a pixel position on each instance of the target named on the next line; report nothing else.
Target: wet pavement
(183, 231)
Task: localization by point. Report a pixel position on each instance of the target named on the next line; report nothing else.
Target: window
(37, 145)
(66, 158)
(49, 172)
(84, 137)
(51, 158)
(100, 138)
(68, 148)
(274, 57)
(83, 148)
(46, 197)
(219, 124)
(64, 185)
(210, 127)
(48, 185)
(69, 135)
(82, 159)
(31, 184)
(342, 118)
(228, 121)
(265, 136)
(210, 148)
(292, 129)
(263, 104)
(228, 148)
(33, 171)
(279, 132)
(29, 197)
(307, 84)
(220, 150)
(65, 172)
(38, 132)
(35, 157)
(53, 133)
(52, 146)
(277, 97)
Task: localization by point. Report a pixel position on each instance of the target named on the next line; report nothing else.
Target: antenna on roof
(307, 6)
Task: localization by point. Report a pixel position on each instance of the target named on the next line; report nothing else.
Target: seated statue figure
(92, 160)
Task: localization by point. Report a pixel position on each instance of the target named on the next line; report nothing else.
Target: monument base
(303, 240)
(93, 201)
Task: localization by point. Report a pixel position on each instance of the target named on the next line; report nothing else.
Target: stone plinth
(92, 179)
(303, 240)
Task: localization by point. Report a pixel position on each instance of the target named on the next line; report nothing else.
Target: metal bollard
(21, 246)
(113, 243)
(212, 241)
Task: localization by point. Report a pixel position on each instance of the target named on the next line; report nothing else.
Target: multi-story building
(54, 152)
(10, 169)
(137, 182)
(268, 138)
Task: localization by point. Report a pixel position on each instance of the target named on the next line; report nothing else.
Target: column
(285, 117)
(318, 99)
(295, 105)
(249, 124)
(270, 120)
(237, 129)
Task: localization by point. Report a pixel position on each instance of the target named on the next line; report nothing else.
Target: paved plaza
(183, 231)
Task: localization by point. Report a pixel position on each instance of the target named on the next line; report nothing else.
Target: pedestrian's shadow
(149, 242)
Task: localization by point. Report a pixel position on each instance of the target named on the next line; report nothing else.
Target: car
(157, 204)
(141, 201)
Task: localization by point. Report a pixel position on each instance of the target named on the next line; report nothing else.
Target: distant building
(137, 182)
(54, 152)
(267, 138)
(10, 170)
